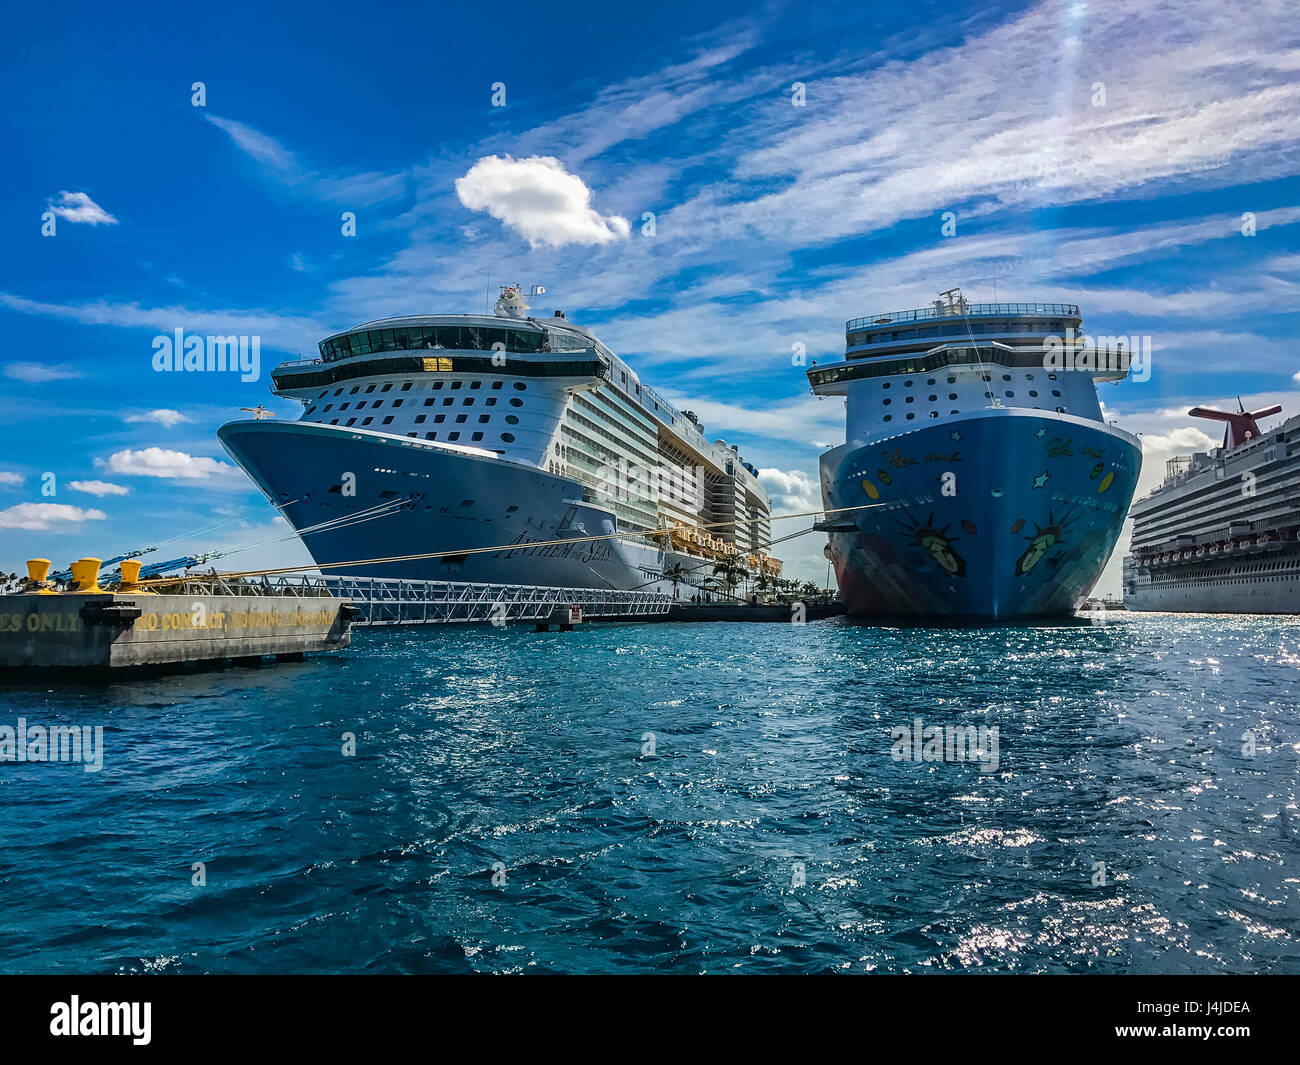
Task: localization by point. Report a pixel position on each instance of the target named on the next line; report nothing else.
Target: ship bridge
(955, 357)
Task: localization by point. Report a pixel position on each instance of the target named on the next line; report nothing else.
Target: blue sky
(1098, 154)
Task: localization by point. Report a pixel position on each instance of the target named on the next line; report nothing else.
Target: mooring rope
(506, 547)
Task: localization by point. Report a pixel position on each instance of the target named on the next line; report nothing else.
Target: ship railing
(398, 601)
(970, 310)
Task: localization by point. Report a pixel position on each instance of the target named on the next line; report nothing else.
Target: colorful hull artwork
(996, 514)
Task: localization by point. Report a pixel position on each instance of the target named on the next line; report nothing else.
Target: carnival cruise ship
(521, 450)
(1222, 533)
(978, 478)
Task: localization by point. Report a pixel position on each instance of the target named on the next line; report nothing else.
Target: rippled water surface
(1125, 744)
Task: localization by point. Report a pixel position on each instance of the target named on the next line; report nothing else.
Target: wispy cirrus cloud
(284, 168)
(40, 372)
(284, 332)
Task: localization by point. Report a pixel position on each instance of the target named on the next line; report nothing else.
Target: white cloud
(45, 515)
(6, 477)
(99, 488)
(163, 416)
(79, 208)
(159, 462)
(540, 199)
(791, 491)
(276, 331)
(40, 372)
(354, 190)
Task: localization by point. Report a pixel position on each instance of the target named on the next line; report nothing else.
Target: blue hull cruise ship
(517, 450)
(992, 487)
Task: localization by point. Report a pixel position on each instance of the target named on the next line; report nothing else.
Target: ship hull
(405, 497)
(999, 514)
(1248, 580)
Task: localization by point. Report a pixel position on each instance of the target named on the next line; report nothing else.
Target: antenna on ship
(259, 412)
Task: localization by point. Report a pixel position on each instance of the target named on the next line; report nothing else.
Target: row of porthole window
(952, 380)
(454, 436)
(468, 401)
(419, 419)
(519, 386)
(935, 414)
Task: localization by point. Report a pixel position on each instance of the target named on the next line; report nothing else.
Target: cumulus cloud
(791, 491)
(6, 477)
(40, 372)
(99, 488)
(79, 208)
(539, 199)
(46, 515)
(160, 462)
(163, 416)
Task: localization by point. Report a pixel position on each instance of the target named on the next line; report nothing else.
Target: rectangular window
(367, 421)
(439, 418)
(388, 419)
(419, 418)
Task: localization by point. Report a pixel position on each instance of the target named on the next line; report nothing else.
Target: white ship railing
(395, 601)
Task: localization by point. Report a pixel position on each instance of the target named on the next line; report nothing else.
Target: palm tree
(810, 590)
(732, 571)
(675, 573)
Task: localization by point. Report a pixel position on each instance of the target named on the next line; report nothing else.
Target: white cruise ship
(1222, 532)
(521, 445)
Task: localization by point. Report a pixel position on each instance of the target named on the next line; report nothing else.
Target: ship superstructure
(1221, 534)
(434, 432)
(975, 437)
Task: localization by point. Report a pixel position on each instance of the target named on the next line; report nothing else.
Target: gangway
(397, 601)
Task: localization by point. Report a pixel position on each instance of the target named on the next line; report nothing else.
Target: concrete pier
(72, 630)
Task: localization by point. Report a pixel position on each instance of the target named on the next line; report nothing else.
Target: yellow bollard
(131, 574)
(85, 576)
(37, 570)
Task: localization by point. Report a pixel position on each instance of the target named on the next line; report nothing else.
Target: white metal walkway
(392, 601)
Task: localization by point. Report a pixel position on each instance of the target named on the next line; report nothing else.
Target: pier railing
(394, 601)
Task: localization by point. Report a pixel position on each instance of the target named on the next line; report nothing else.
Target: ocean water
(503, 810)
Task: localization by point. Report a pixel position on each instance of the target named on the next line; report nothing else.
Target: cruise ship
(1222, 532)
(519, 449)
(978, 478)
